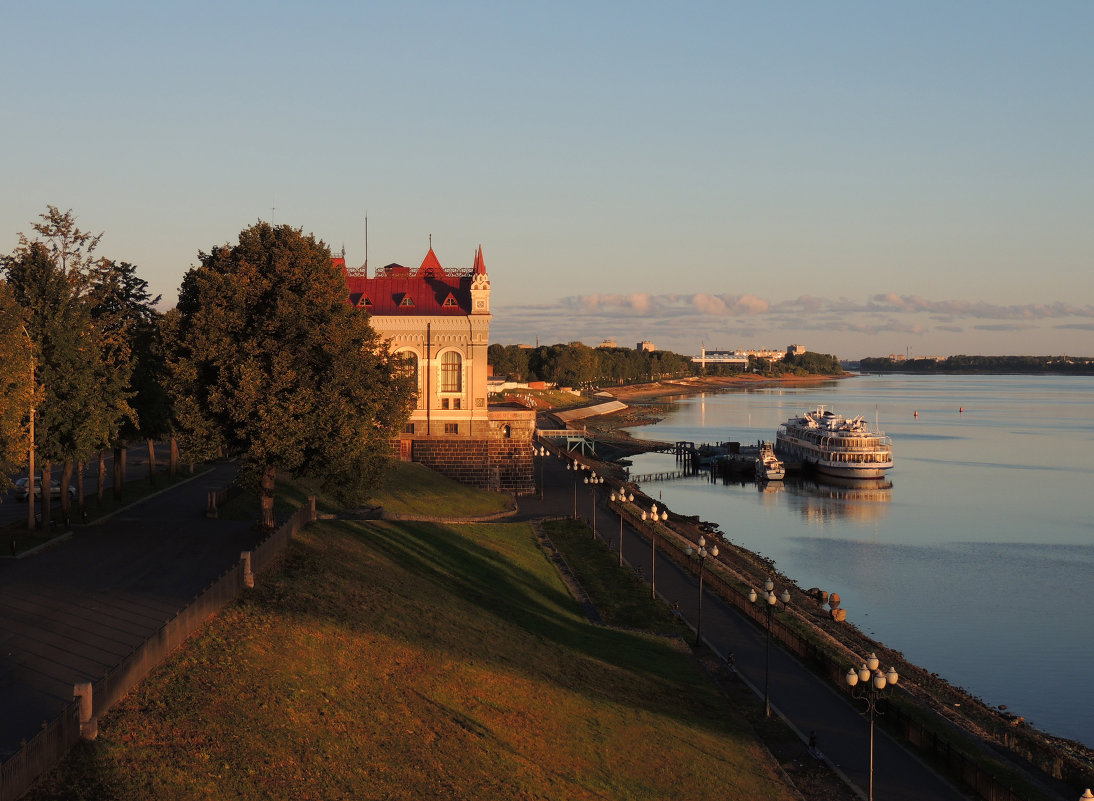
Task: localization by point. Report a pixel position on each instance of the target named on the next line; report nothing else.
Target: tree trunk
(66, 480)
(43, 488)
(173, 463)
(119, 470)
(266, 497)
(101, 488)
(152, 462)
(80, 466)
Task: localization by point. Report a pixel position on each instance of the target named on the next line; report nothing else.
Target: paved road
(77, 609)
(136, 469)
(807, 702)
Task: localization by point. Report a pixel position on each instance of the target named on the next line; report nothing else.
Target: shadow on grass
(524, 618)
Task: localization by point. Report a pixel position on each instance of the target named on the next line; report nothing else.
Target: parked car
(21, 491)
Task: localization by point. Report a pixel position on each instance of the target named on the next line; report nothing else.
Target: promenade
(803, 699)
(75, 610)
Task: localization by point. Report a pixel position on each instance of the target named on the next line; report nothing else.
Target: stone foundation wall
(498, 465)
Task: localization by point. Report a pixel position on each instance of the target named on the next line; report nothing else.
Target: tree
(126, 318)
(16, 386)
(270, 362)
(76, 409)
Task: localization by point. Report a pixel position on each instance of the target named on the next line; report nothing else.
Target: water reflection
(864, 500)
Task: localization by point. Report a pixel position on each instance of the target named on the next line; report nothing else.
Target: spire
(430, 265)
(480, 265)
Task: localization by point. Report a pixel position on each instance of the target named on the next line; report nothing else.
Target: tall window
(410, 364)
(451, 372)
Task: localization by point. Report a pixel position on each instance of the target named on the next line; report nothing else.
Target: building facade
(439, 320)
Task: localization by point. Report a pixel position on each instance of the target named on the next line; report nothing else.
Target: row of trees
(577, 365)
(981, 364)
(262, 358)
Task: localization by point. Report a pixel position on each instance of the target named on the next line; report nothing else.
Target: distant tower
(480, 286)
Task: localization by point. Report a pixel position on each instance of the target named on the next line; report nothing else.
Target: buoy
(961, 410)
(915, 414)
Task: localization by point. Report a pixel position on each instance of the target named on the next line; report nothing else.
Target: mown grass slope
(414, 660)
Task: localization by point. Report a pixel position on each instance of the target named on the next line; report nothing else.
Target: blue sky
(859, 178)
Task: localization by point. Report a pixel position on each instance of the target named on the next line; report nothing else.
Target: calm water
(978, 562)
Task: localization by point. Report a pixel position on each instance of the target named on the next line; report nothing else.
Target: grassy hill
(418, 660)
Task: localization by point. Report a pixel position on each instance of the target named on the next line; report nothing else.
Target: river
(977, 563)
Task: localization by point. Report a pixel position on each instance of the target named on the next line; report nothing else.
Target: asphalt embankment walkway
(805, 701)
(73, 611)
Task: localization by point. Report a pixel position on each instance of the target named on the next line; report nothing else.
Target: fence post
(248, 576)
(89, 724)
(211, 505)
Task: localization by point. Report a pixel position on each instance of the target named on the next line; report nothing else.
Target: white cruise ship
(835, 446)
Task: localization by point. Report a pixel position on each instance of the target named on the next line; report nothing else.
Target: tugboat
(768, 466)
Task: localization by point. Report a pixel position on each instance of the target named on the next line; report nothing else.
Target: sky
(858, 178)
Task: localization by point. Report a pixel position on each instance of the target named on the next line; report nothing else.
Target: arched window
(451, 372)
(410, 364)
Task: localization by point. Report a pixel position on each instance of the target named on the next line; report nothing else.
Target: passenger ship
(834, 445)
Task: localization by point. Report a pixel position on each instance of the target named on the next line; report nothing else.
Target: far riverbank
(647, 403)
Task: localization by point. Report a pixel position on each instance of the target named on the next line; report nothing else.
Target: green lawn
(411, 489)
(419, 661)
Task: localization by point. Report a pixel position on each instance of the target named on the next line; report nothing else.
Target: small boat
(768, 466)
(834, 445)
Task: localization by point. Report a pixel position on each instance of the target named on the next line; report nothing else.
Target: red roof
(429, 290)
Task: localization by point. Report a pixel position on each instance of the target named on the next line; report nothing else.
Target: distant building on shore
(645, 345)
(740, 357)
(439, 319)
(730, 357)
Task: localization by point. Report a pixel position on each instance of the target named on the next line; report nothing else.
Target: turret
(480, 286)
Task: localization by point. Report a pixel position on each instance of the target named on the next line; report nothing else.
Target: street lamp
(622, 497)
(873, 683)
(540, 452)
(654, 516)
(770, 598)
(575, 466)
(702, 554)
(592, 480)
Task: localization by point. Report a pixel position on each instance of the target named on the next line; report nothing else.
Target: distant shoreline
(648, 403)
(660, 390)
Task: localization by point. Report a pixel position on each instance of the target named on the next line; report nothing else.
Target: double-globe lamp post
(873, 683)
(540, 452)
(654, 516)
(592, 480)
(575, 466)
(771, 599)
(702, 554)
(623, 497)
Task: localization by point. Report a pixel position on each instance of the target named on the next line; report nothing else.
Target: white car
(21, 491)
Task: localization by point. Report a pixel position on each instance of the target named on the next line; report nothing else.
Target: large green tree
(81, 395)
(16, 386)
(271, 363)
(129, 326)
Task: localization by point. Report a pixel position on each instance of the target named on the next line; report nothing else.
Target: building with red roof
(439, 319)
